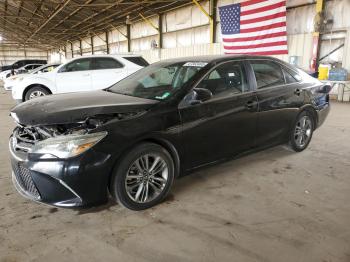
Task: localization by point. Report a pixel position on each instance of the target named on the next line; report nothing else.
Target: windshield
(43, 69)
(158, 81)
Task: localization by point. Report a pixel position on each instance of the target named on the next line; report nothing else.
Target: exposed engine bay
(26, 136)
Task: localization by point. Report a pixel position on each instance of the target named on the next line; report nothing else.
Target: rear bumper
(322, 114)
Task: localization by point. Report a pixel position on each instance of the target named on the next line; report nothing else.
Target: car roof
(215, 58)
(31, 64)
(107, 55)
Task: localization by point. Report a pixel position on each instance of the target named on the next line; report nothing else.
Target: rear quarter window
(267, 73)
(138, 60)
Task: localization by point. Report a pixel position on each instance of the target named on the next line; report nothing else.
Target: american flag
(255, 27)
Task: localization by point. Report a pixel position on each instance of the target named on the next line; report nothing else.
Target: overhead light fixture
(128, 21)
(0, 38)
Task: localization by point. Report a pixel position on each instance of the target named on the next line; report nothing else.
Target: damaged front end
(54, 153)
(26, 137)
(60, 153)
(29, 138)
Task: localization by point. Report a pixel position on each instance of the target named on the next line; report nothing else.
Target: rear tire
(302, 132)
(143, 177)
(35, 91)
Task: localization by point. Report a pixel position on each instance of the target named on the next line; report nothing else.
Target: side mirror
(325, 89)
(203, 95)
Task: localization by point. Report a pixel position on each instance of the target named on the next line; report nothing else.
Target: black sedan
(131, 140)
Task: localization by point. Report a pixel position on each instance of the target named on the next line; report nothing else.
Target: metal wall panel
(143, 29)
(10, 54)
(144, 43)
(99, 40)
(184, 18)
(117, 35)
(119, 47)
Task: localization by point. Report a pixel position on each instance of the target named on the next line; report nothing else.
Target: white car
(5, 74)
(13, 80)
(27, 68)
(79, 74)
(22, 70)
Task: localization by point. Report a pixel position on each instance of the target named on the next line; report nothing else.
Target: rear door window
(106, 63)
(77, 65)
(267, 74)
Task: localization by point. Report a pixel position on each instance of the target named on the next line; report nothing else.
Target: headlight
(19, 79)
(67, 146)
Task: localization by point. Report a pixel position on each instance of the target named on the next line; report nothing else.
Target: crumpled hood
(76, 107)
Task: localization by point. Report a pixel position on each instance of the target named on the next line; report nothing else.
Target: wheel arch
(170, 148)
(33, 85)
(167, 145)
(311, 110)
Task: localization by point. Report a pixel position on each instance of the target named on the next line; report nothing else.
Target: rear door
(225, 125)
(106, 72)
(280, 96)
(74, 76)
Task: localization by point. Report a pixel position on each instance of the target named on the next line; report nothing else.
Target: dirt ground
(275, 205)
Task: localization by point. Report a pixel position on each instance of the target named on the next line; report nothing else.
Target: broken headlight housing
(67, 146)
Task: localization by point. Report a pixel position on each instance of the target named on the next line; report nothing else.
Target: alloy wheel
(35, 94)
(146, 178)
(303, 131)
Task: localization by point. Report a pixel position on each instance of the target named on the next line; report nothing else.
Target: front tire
(302, 132)
(143, 177)
(36, 91)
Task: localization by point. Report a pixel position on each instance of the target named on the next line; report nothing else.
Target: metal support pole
(71, 48)
(316, 39)
(107, 42)
(160, 31)
(212, 7)
(128, 31)
(81, 48)
(92, 45)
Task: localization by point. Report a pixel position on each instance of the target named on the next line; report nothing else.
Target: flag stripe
(255, 35)
(262, 9)
(251, 2)
(262, 28)
(258, 41)
(261, 4)
(261, 14)
(278, 52)
(263, 18)
(264, 23)
(254, 38)
(257, 46)
(258, 49)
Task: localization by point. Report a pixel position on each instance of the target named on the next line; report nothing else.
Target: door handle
(297, 92)
(251, 105)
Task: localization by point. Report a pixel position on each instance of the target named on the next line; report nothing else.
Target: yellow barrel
(323, 72)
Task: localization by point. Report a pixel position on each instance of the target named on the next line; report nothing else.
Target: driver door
(75, 76)
(225, 125)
